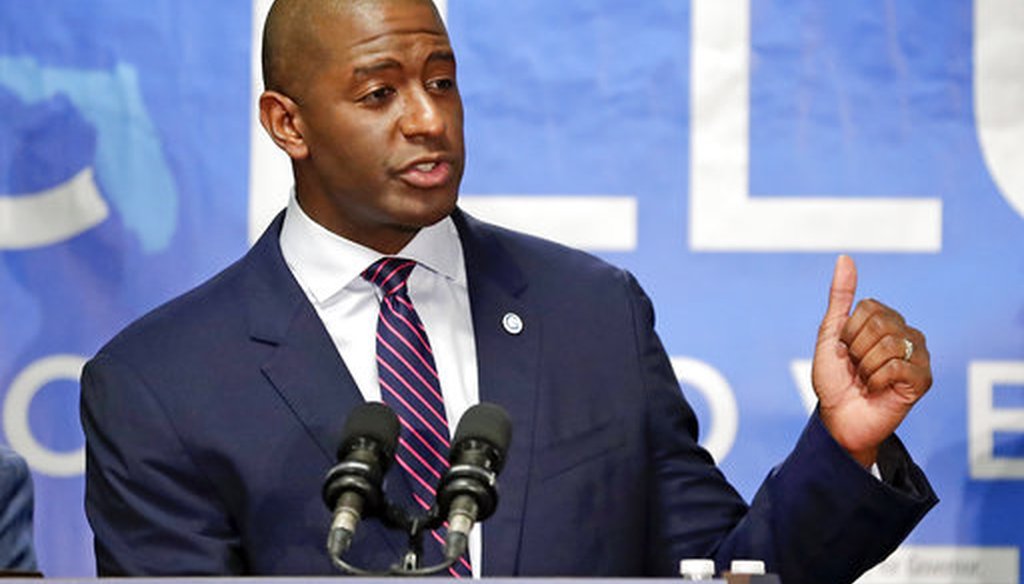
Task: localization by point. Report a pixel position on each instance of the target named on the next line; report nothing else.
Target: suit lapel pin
(512, 324)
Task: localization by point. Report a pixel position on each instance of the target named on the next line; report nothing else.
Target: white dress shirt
(328, 267)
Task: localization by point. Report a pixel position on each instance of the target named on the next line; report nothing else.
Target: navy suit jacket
(16, 505)
(211, 422)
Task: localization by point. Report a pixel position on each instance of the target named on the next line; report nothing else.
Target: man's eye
(378, 95)
(442, 84)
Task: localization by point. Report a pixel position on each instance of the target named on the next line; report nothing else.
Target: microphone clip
(472, 481)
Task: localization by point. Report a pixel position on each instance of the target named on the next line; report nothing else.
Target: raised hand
(870, 367)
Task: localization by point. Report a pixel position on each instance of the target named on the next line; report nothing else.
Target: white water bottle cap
(747, 567)
(697, 569)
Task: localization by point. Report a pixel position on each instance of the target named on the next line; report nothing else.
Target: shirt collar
(326, 263)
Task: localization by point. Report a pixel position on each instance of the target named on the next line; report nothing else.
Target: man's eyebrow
(444, 55)
(369, 70)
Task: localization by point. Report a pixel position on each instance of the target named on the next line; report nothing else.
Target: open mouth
(427, 175)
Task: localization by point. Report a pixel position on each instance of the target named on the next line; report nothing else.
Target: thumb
(841, 293)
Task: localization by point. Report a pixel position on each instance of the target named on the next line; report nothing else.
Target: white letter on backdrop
(723, 215)
(16, 407)
(984, 419)
(999, 93)
(720, 399)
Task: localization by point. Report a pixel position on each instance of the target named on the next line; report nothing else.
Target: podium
(738, 579)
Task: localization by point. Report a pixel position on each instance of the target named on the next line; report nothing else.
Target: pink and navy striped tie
(409, 385)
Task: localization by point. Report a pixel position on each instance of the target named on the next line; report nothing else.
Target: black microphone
(468, 490)
(353, 487)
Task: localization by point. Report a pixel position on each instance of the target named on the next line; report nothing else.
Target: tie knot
(389, 274)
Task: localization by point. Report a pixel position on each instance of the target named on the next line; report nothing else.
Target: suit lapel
(507, 370)
(304, 366)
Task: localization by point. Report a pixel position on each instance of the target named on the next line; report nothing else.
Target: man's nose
(423, 115)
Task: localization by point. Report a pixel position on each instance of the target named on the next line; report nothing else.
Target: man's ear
(279, 116)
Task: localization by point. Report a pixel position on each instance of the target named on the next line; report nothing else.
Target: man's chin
(436, 213)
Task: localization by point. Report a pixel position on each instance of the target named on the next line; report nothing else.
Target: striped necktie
(409, 385)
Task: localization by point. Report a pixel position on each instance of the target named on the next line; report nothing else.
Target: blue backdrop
(134, 125)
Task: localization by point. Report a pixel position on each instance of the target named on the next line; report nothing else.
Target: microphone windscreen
(486, 422)
(372, 420)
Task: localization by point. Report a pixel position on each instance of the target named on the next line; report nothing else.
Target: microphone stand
(398, 518)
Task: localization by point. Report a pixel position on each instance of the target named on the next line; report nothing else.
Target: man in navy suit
(16, 548)
(211, 421)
